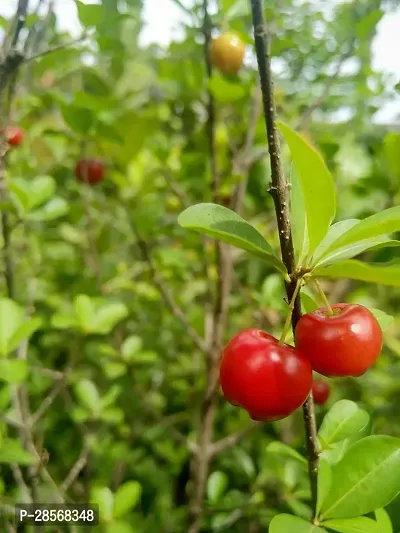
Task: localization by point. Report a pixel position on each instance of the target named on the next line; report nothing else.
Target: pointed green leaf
(383, 520)
(216, 485)
(368, 477)
(225, 91)
(109, 316)
(385, 320)
(308, 301)
(351, 250)
(13, 370)
(11, 318)
(126, 497)
(41, 189)
(335, 232)
(383, 223)
(361, 524)
(227, 226)
(88, 395)
(345, 419)
(85, 312)
(316, 183)
(24, 331)
(286, 523)
(298, 217)
(283, 450)
(384, 273)
(324, 482)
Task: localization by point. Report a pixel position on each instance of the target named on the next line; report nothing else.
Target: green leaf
(298, 216)
(283, 450)
(345, 419)
(383, 520)
(316, 183)
(383, 223)
(308, 301)
(356, 248)
(88, 395)
(368, 477)
(90, 14)
(324, 482)
(335, 232)
(12, 453)
(131, 346)
(85, 312)
(126, 497)
(109, 316)
(227, 226)
(385, 320)
(24, 331)
(55, 208)
(216, 485)
(286, 523)
(391, 143)
(13, 370)
(240, 8)
(11, 318)
(384, 273)
(79, 119)
(224, 91)
(104, 498)
(361, 524)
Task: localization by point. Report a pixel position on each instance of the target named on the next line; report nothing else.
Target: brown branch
(280, 193)
(77, 467)
(231, 440)
(200, 466)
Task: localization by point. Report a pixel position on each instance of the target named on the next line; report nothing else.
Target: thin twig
(164, 289)
(55, 49)
(231, 440)
(280, 192)
(79, 465)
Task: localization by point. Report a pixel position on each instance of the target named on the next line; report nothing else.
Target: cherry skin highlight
(321, 391)
(346, 343)
(267, 379)
(89, 170)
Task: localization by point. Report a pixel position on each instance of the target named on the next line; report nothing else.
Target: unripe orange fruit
(227, 53)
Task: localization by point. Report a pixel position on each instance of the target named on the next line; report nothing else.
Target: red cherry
(267, 379)
(89, 170)
(346, 343)
(321, 391)
(15, 135)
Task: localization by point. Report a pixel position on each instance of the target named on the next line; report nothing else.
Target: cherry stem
(324, 298)
(288, 320)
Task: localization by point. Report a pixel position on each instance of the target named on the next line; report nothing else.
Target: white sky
(163, 16)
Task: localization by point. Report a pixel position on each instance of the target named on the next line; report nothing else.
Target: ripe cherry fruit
(89, 170)
(267, 379)
(346, 343)
(321, 391)
(227, 53)
(15, 135)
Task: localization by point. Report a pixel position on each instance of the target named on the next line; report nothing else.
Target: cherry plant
(353, 474)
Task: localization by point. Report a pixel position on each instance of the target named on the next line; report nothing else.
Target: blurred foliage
(128, 380)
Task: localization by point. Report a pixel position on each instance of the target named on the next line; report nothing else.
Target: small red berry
(321, 391)
(267, 379)
(346, 343)
(89, 170)
(15, 135)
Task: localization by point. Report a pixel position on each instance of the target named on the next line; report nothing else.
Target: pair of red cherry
(271, 380)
